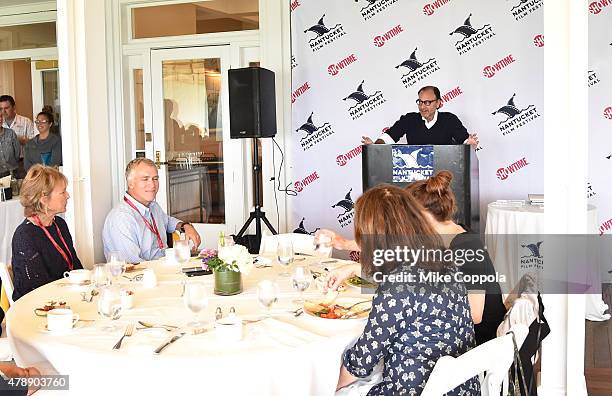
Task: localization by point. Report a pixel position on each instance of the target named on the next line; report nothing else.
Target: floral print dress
(410, 327)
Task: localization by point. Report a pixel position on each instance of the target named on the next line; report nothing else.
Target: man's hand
(366, 140)
(192, 234)
(22, 140)
(472, 140)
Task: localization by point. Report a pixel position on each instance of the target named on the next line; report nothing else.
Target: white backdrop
(480, 54)
(600, 116)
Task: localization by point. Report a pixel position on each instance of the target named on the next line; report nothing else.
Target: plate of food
(360, 283)
(341, 308)
(49, 305)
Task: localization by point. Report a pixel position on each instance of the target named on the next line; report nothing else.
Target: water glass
(267, 294)
(182, 250)
(116, 266)
(323, 246)
(100, 276)
(196, 300)
(284, 253)
(301, 277)
(109, 306)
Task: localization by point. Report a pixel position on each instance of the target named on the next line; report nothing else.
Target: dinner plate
(358, 312)
(357, 282)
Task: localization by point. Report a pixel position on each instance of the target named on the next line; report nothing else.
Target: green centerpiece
(228, 265)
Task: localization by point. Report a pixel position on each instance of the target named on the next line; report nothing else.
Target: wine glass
(100, 276)
(116, 266)
(284, 252)
(267, 294)
(109, 306)
(301, 277)
(182, 250)
(322, 247)
(196, 300)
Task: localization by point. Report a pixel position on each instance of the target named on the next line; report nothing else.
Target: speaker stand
(257, 214)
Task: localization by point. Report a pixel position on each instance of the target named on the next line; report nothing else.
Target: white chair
(6, 354)
(495, 357)
(302, 243)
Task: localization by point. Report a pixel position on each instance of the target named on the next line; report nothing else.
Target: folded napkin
(278, 333)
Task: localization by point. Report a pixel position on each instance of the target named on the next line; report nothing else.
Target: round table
(277, 356)
(514, 235)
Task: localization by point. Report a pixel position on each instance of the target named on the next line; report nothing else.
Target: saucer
(43, 329)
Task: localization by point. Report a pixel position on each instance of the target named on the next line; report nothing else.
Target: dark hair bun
(439, 183)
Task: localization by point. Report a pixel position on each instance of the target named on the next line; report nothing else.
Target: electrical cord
(277, 187)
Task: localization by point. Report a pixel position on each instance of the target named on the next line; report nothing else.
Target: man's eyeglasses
(425, 102)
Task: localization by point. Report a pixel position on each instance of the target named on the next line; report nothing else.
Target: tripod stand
(257, 214)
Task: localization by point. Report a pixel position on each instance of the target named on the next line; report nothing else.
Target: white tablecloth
(11, 215)
(511, 228)
(280, 356)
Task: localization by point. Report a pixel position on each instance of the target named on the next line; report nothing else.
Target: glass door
(195, 156)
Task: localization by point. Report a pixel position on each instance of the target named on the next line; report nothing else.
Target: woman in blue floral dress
(415, 321)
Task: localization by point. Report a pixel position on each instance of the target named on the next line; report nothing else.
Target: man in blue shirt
(428, 126)
(136, 228)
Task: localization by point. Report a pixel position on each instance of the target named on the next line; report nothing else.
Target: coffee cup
(78, 276)
(149, 279)
(61, 320)
(228, 329)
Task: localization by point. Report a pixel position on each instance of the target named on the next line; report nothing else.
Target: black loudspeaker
(252, 103)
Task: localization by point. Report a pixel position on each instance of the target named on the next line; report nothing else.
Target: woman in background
(44, 148)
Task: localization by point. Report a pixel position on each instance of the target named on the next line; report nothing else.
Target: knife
(348, 316)
(170, 341)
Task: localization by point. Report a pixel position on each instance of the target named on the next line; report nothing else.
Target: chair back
(302, 243)
(494, 356)
(6, 275)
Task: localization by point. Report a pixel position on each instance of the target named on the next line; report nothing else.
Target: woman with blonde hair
(42, 244)
(412, 323)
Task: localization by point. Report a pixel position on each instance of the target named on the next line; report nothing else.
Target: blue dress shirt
(126, 233)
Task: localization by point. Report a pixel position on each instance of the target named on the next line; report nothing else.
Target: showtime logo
(605, 226)
(343, 159)
(374, 7)
(335, 68)
(489, 71)
(608, 113)
(429, 9)
(504, 173)
(295, 4)
(538, 41)
(525, 7)
(308, 180)
(450, 95)
(299, 92)
(596, 6)
(379, 41)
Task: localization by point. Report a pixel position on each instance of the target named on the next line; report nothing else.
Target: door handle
(158, 161)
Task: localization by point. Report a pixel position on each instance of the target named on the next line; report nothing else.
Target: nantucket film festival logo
(531, 256)
(472, 37)
(324, 34)
(416, 70)
(345, 217)
(412, 163)
(301, 229)
(363, 102)
(593, 79)
(515, 117)
(314, 134)
(525, 8)
(374, 7)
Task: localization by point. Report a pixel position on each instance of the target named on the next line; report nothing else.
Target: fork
(129, 330)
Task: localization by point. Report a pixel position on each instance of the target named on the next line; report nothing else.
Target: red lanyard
(55, 244)
(151, 227)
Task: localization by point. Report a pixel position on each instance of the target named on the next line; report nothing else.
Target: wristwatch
(182, 227)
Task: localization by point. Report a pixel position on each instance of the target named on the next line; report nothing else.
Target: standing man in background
(22, 126)
(428, 126)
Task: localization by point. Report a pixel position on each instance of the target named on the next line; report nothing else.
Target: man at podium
(428, 126)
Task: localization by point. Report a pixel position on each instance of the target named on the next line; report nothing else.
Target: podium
(402, 164)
